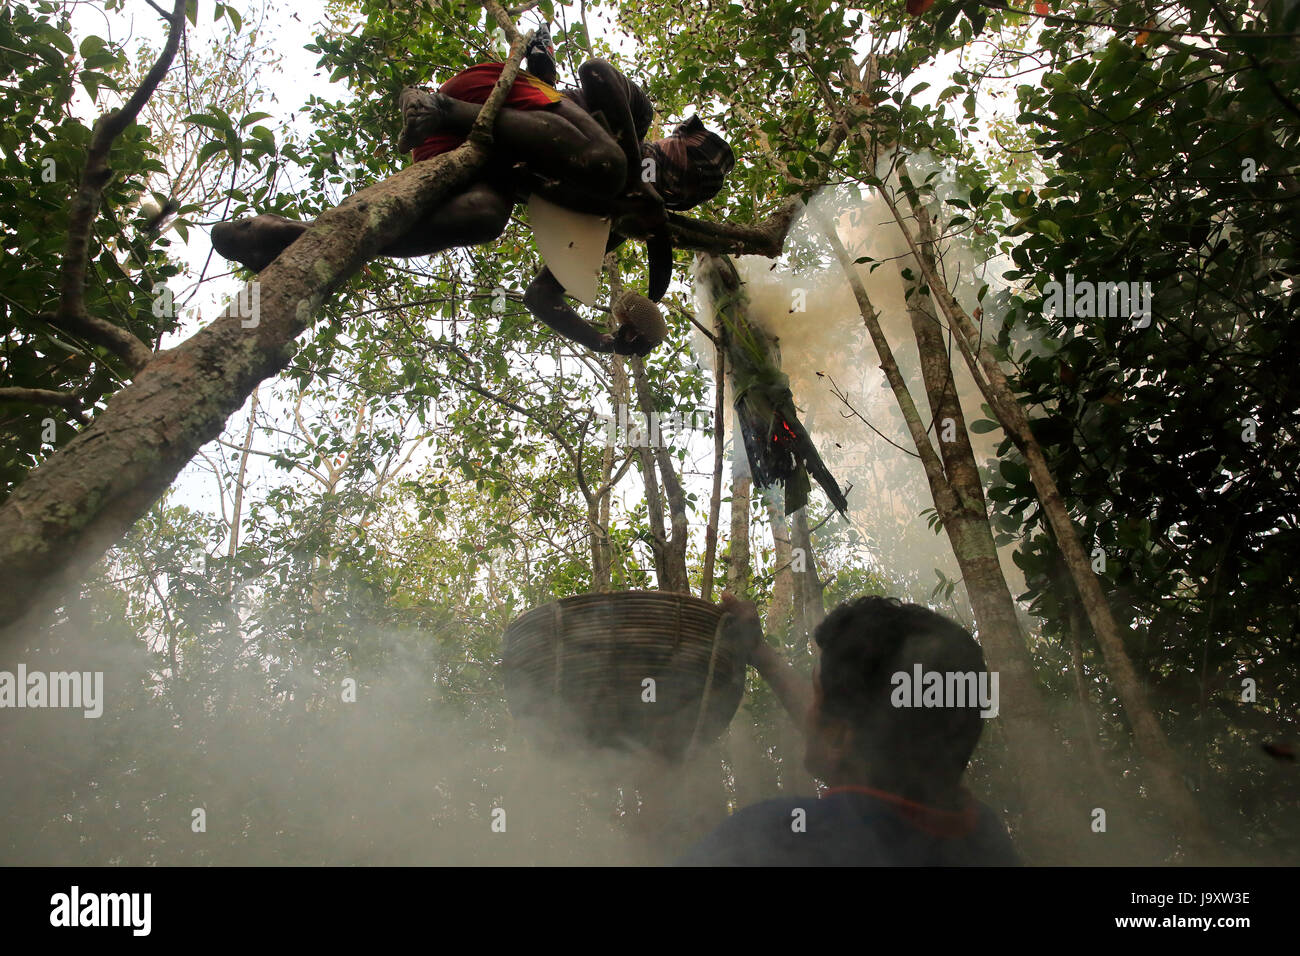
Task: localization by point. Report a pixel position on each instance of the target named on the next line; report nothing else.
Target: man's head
(690, 165)
(539, 55)
(855, 733)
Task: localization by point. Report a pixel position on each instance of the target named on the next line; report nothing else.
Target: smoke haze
(807, 305)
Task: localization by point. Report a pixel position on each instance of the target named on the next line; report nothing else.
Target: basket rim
(676, 597)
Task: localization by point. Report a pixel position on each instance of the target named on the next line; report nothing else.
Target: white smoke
(805, 302)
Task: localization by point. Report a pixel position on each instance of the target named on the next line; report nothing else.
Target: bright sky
(292, 27)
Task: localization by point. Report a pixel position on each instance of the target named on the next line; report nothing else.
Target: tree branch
(504, 20)
(724, 238)
(78, 503)
(46, 396)
(71, 312)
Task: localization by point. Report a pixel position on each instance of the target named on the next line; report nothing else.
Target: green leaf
(58, 38)
(98, 61)
(205, 119)
(210, 149)
(1014, 472)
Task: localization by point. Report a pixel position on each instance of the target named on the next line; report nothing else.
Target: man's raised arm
(791, 688)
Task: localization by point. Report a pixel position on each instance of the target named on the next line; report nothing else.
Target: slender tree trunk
(602, 558)
(809, 589)
(1162, 764)
(654, 511)
(755, 774)
(778, 623)
(1055, 827)
(754, 771)
(672, 574)
(1083, 695)
(236, 510)
(738, 570)
(719, 454)
(781, 606)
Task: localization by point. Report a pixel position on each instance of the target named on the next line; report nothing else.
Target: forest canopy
(1028, 271)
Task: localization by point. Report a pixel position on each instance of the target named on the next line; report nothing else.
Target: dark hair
(864, 643)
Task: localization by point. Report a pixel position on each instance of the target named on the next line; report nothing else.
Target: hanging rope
(708, 685)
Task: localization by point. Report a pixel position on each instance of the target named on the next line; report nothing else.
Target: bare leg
(560, 142)
(472, 218)
(610, 93)
(475, 216)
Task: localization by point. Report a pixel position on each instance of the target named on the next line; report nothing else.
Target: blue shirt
(855, 827)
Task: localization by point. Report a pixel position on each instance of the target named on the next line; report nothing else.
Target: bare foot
(256, 242)
(423, 113)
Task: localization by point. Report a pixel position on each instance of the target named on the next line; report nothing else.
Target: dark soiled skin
(589, 163)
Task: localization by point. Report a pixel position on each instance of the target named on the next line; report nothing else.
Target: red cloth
(929, 820)
(473, 86)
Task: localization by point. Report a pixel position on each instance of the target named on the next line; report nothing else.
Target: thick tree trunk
(73, 507)
(738, 571)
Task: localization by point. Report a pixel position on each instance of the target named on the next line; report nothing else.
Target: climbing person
(576, 158)
(678, 172)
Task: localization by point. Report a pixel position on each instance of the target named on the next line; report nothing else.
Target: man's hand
(745, 626)
(628, 341)
(639, 211)
(792, 689)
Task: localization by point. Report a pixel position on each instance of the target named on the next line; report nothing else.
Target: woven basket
(575, 671)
